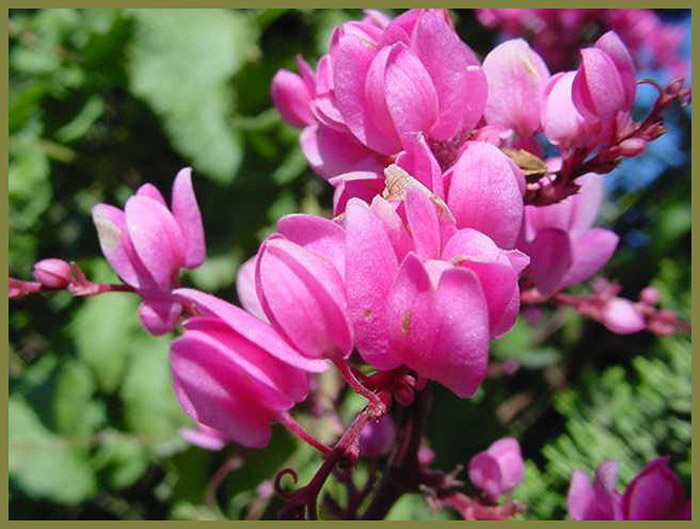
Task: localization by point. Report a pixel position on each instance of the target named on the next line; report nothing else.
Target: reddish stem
(288, 421)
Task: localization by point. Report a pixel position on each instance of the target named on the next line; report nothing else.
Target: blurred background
(104, 100)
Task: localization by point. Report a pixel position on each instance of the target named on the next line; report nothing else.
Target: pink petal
(551, 256)
(251, 328)
(484, 192)
(303, 296)
(187, 214)
(375, 94)
(370, 269)
(204, 437)
(330, 152)
(247, 293)
(516, 77)
(611, 44)
(418, 161)
(364, 185)
(393, 225)
(278, 385)
(207, 396)
(157, 238)
(159, 316)
(461, 91)
(563, 122)
(423, 223)
(443, 333)
(598, 86)
(586, 202)
(590, 252)
(410, 94)
(655, 494)
(117, 248)
(318, 235)
(149, 190)
(351, 62)
(580, 500)
(291, 96)
(473, 250)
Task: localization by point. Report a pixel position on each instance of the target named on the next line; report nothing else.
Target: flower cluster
(558, 34)
(445, 208)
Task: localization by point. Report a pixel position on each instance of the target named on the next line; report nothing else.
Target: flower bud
(632, 147)
(621, 316)
(377, 437)
(499, 469)
(650, 295)
(52, 273)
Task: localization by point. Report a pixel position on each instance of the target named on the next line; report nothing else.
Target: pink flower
(233, 372)
(565, 124)
(499, 469)
(604, 85)
(303, 296)
(381, 82)
(147, 244)
(516, 76)
(425, 294)
(53, 273)
(655, 493)
(563, 248)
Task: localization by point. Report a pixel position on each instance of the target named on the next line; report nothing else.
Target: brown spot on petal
(367, 314)
(405, 323)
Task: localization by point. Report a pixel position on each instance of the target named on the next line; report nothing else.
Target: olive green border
(4, 506)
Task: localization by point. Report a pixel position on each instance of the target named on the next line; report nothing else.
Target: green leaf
(414, 507)
(123, 459)
(80, 124)
(180, 63)
(103, 330)
(76, 415)
(43, 464)
(29, 188)
(150, 407)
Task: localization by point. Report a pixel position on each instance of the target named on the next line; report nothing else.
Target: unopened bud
(650, 295)
(52, 273)
(632, 147)
(377, 437)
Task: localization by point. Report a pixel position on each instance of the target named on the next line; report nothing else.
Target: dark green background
(102, 101)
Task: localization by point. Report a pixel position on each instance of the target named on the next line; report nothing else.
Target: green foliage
(632, 416)
(103, 100)
(43, 464)
(181, 61)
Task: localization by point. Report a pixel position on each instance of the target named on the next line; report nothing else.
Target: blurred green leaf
(76, 415)
(121, 458)
(150, 407)
(43, 464)
(180, 64)
(414, 507)
(103, 328)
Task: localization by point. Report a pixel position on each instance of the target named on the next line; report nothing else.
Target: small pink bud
(53, 273)
(377, 437)
(621, 316)
(425, 455)
(650, 295)
(632, 147)
(499, 469)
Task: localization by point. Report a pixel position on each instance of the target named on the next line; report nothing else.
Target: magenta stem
(355, 384)
(288, 421)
